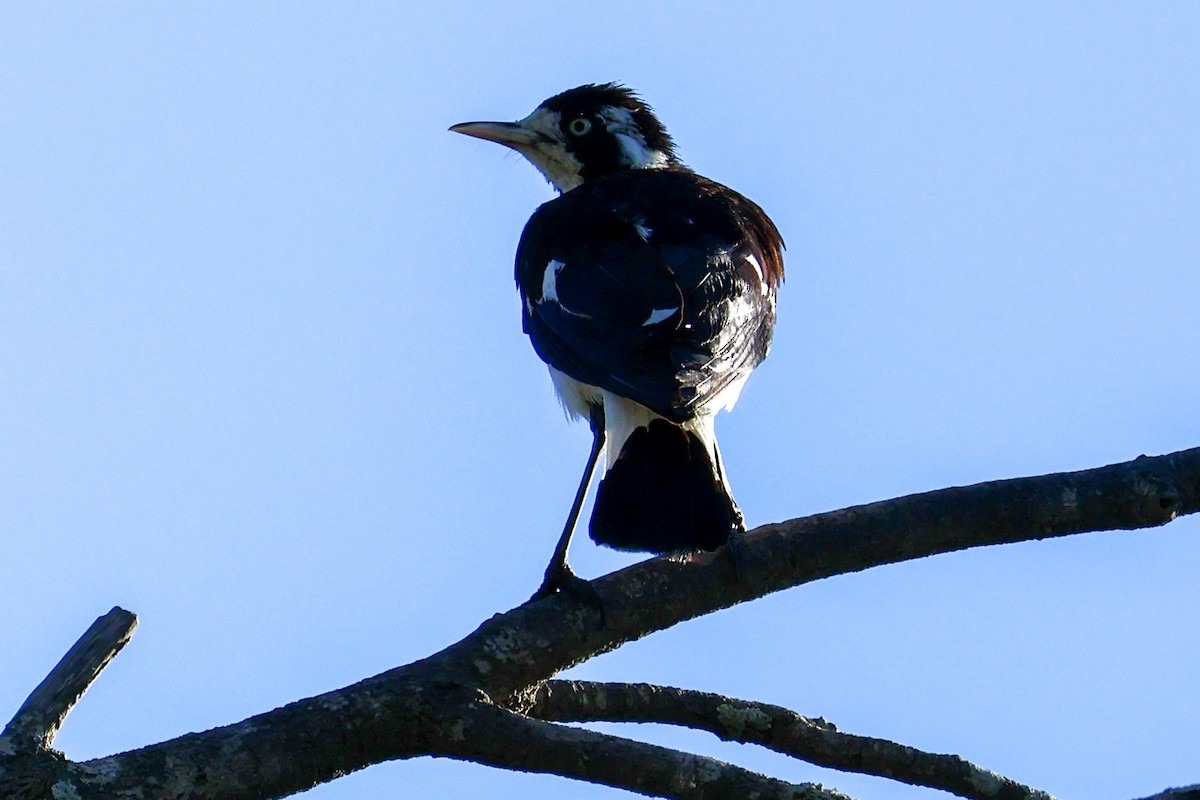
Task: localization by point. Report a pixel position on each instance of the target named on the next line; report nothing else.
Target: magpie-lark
(649, 291)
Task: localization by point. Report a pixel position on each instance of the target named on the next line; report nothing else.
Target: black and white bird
(649, 291)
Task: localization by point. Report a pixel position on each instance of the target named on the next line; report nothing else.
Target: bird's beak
(510, 134)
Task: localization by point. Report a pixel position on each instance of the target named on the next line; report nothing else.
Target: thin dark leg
(558, 573)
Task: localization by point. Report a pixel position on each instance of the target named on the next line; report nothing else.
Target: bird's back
(657, 285)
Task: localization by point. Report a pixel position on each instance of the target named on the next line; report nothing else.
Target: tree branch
(778, 728)
(1181, 793)
(38, 721)
(419, 709)
(513, 651)
(285, 751)
(500, 738)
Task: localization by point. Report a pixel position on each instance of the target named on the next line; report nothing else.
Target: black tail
(664, 494)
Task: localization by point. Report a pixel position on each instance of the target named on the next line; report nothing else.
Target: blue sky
(263, 379)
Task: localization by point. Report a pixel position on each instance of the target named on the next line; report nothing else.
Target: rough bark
(480, 698)
(817, 741)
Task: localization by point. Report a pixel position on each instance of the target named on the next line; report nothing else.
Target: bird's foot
(560, 577)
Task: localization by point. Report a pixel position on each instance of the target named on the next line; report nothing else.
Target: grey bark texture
(490, 698)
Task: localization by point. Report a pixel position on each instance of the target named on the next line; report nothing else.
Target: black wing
(657, 285)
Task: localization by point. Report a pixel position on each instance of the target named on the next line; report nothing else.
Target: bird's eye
(579, 126)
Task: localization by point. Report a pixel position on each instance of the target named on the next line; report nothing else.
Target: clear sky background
(262, 378)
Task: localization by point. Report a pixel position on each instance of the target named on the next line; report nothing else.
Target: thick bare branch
(501, 738)
(778, 728)
(418, 709)
(284, 751)
(513, 651)
(37, 723)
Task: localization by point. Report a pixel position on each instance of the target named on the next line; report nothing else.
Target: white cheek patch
(550, 155)
(634, 152)
(558, 167)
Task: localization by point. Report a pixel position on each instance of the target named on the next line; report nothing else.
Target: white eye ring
(579, 126)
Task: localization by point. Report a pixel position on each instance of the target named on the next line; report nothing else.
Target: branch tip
(38, 721)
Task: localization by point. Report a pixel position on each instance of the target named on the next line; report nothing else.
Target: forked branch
(505, 739)
(463, 701)
(813, 740)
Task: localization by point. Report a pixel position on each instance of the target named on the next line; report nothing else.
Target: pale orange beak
(509, 134)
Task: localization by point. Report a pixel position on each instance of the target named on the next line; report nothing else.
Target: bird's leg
(558, 573)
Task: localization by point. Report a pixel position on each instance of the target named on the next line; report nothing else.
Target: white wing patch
(658, 315)
(644, 231)
(550, 288)
(550, 281)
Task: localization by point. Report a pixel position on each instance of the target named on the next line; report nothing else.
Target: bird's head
(584, 133)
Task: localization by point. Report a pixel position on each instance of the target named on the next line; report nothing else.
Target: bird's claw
(562, 578)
